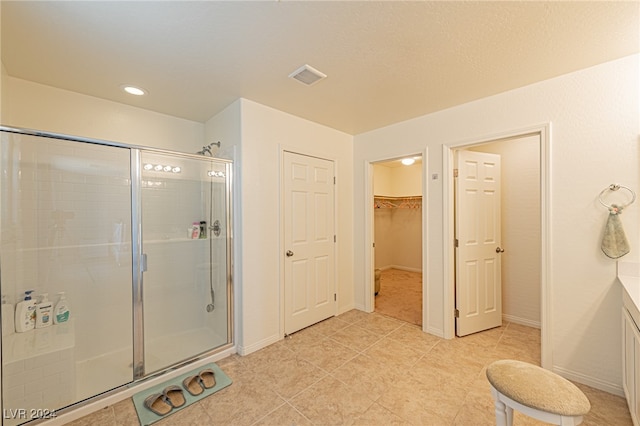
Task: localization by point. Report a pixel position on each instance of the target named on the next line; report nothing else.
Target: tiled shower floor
(366, 369)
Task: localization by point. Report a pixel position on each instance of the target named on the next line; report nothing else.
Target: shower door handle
(143, 262)
(289, 253)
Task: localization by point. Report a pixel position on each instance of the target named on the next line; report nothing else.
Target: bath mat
(148, 417)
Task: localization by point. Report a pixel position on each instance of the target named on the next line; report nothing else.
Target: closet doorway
(397, 202)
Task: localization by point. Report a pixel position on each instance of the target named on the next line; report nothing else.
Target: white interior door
(478, 281)
(309, 265)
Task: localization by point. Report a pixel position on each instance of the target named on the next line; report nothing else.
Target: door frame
(369, 258)
(544, 133)
(281, 222)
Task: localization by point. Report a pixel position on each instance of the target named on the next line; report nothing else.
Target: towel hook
(615, 187)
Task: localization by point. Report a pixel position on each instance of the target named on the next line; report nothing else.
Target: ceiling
(386, 61)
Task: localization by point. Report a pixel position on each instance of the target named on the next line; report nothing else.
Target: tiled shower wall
(67, 228)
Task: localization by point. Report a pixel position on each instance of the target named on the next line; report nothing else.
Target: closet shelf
(408, 202)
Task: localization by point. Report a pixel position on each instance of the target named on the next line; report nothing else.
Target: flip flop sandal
(193, 384)
(207, 378)
(158, 404)
(175, 396)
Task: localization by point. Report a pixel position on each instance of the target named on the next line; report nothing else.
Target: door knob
(499, 250)
(289, 253)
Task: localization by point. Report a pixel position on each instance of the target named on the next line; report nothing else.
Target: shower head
(206, 150)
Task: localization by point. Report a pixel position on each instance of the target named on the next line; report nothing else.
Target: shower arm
(207, 148)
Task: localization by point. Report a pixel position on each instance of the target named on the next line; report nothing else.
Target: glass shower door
(184, 246)
(65, 227)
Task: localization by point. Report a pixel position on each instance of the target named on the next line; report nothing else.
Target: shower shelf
(174, 240)
(38, 342)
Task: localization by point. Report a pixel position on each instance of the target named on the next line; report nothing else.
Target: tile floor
(400, 295)
(366, 369)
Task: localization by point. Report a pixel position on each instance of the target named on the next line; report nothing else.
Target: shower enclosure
(139, 241)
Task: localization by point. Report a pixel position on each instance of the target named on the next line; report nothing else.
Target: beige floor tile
(353, 316)
(356, 338)
(409, 399)
(265, 358)
(302, 338)
(289, 377)
(194, 414)
(330, 402)
(326, 353)
(125, 413)
(284, 415)
(450, 363)
(394, 353)
(605, 408)
(372, 370)
(247, 400)
(478, 407)
(367, 375)
(486, 339)
(330, 326)
(413, 337)
(103, 417)
(377, 415)
(400, 295)
(379, 324)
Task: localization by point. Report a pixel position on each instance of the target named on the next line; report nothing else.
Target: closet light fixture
(133, 90)
(408, 161)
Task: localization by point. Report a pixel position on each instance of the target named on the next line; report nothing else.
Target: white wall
(594, 142)
(398, 231)
(35, 106)
(264, 133)
(520, 200)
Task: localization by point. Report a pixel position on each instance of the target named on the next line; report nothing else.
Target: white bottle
(61, 311)
(44, 312)
(8, 317)
(26, 313)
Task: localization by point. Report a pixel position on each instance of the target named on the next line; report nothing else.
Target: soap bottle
(8, 317)
(44, 312)
(195, 231)
(61, 311)
(26, 313)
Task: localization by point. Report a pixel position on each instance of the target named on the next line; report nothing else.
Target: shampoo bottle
(61, 311)
(26, 313)
(8, 317)
(44, 311)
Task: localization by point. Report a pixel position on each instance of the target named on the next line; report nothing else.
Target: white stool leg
(570, 420)
(504, 413)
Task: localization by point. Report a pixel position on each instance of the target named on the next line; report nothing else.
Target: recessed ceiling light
(134, 90)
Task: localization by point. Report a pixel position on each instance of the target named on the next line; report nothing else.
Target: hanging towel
(614, 242)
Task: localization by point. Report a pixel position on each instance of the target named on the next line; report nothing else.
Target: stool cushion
(537, 388)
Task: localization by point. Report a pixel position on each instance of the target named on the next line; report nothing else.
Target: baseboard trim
(521, 321)
(436, 332)
(593, 382)
(400, 267)
(246, 350)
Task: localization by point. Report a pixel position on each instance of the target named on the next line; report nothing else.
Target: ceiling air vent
(307, 74)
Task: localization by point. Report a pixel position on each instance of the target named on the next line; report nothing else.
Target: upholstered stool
(536, 392)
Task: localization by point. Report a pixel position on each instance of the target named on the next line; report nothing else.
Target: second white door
(309, 241)
(478, 239)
